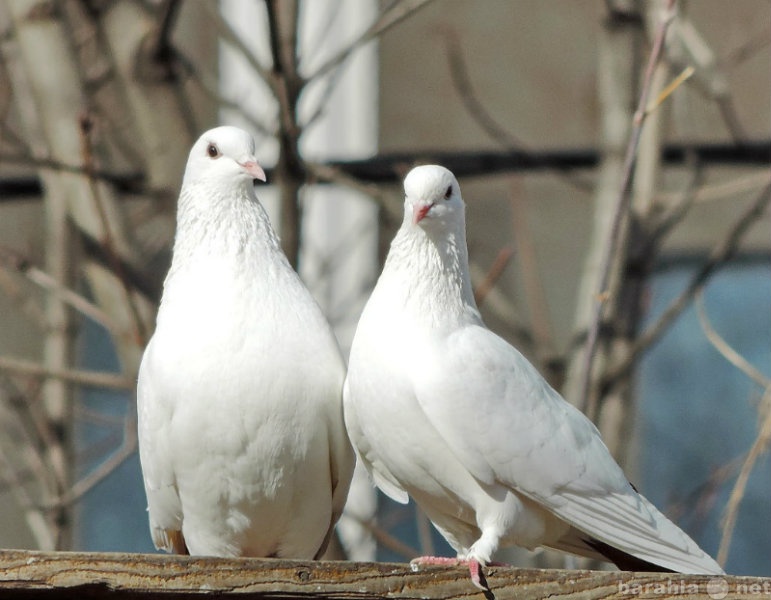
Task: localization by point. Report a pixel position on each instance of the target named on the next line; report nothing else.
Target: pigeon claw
(477, 575)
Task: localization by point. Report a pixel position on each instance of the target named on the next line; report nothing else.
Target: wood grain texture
(30, 574)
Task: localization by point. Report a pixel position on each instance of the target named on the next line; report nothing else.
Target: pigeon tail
(623, 560)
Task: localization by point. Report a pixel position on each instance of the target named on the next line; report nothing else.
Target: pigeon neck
(433, 273)
(230, 224)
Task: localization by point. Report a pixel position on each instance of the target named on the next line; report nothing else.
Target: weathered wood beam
(54, 575)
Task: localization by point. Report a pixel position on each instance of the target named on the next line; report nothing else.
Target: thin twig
(724, 348)
(661, 224)
(207, 85)
(391, 16)
(107, 467)
(164, 27)
(32, 431)
(423, 525)
(129, 181)
(503, 307)
(621, 207)
(759, 446)
(35, 518)
(502, 259)
(720, 254)
(710, 78)
(531, 276)
(27, 305)
(322, 103)
(746, 50)
(230, 37)
(386, 539)
(95, 379)
(726, 190)
(474, 107)
(670, 89)
(727, 108)
(392, 210)
(108, 242)
(14, 260)
(696, 503)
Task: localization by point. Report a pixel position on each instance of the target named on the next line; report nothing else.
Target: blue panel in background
(112, 516)
(698, 414)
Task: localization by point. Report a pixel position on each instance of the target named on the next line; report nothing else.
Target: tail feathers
(178, 542)
(629, 525)
(623, 560)
(583, 544)
(170, 540)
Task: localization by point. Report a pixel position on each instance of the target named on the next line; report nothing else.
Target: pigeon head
(223, 154)
(432, 197)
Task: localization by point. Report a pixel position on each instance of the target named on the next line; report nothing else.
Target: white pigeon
(441, 409)
(241, 434)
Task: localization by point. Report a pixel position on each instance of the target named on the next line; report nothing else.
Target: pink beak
(420, 212)
(254, 169)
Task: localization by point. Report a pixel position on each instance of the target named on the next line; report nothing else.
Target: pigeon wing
(376, 468)
(506, 424)
(155, 453)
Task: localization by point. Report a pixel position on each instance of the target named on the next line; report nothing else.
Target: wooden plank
(31, 574)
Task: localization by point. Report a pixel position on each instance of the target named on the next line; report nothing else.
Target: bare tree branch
(160, 39)
(287, 86)
(36, 521)
(25, 420)
(392, 15)
(209, 87)
(111, 381)
(725, 349)
(126, 182)
(499, 265)
(386, 539)
(28, 306)
(533, 283)
(726, 190)
(747, 49)
(659, 224)
(124, 451)
(721, 253)
(108, 241)
(759, 446)
(11, 259)
(475, 108)
(230, 37)
(689, 46)
(622, 205)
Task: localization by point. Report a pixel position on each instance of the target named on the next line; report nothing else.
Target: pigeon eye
(212, 151)
(448, 193)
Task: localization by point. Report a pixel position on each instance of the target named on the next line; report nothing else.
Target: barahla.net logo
(716, 588)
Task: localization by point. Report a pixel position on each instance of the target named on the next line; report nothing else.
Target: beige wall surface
(533, 67)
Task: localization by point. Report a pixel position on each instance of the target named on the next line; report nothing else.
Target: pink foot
(436, 560)
(477, 576)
